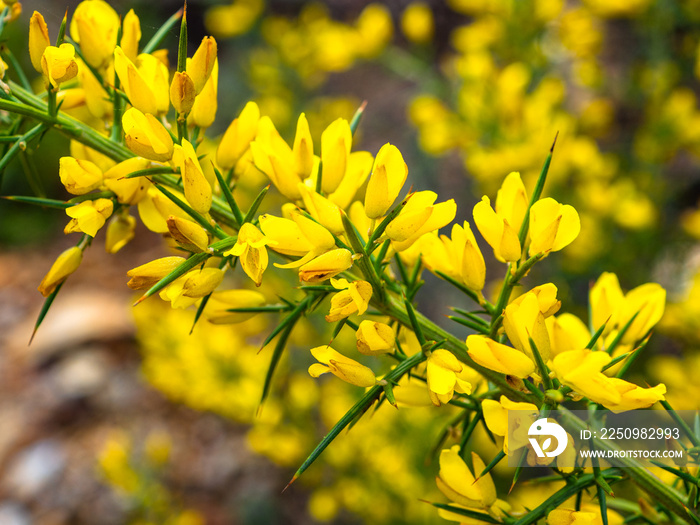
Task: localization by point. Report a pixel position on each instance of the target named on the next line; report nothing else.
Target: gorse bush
(279, 237)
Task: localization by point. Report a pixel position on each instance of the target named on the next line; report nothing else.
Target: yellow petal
(498, 357)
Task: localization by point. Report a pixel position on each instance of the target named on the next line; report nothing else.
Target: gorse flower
(327, 215)
(250, 249)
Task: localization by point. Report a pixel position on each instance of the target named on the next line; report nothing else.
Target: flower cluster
(347, 237)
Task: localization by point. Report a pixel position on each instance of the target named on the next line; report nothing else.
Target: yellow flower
(608, 303)
(633, 397)
(514, 433)
(250, 249)
(336, 142)
(273, 156)
(145, 276)
(238, 136)
(128, 191)
(418, 217)
(442, 371)
(58, 65)
(120, 231)
(326, 266)
(322, 209)
(220, 302)
(647, 302)
(352, 297)
(457, 482)
(374, 338)
(140, 93)
(188, 234)
(298, 236)
(605, 299)
(546, 299)
(79, 176)
(205, 105)
(38, 39)
(155, 208)
(96, 98)
(131, 35)
(200, 283)
(186, 290)
(157, 77)
(552, 226)
(458, 257)
(581, 371)
(497, 231)
(200, 67)
(501, 358)
(64, 265)
(198, 191)
(511, 200)
(340, 366)
(588, 515)
(95, 26)
(182, 92)
(417, 23)
(147, 137)
(524, 321)
(89, 216)
(567, 332)
(357, 170)
(385, 183)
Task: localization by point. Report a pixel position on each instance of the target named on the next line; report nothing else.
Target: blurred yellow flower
(64, 265)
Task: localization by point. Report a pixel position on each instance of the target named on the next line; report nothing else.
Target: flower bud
(182, 92)
(145, 276)
(120, 231)
(95, 26)
(131, 35)
(200, 67)
(197, 189)
(203, 111)
(65, 264)
(336, 142)
(303, 149)
(385, 183)
(38, 39)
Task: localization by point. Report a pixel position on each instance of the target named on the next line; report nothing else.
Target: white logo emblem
(542, 427)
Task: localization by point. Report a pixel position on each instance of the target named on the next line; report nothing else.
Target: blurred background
(116, 415)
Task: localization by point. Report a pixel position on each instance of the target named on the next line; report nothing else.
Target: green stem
(67, 125)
